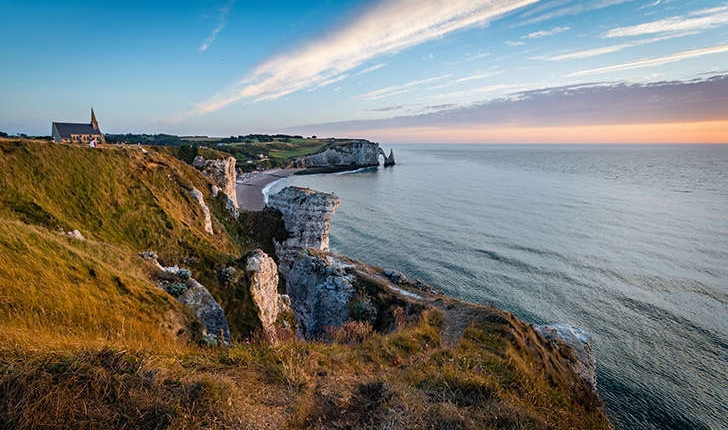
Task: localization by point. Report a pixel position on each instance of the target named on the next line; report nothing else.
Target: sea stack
(389, 160)
(306, 214)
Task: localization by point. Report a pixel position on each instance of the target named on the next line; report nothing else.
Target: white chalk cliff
(263, 275)
(222, 173)
(356, 153)
(306, 216)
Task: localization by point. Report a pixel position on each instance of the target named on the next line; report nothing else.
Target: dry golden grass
(63, 293)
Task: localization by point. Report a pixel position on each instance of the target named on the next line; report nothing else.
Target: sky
(393, 71)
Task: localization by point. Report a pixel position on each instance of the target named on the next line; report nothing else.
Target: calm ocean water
(628, 242)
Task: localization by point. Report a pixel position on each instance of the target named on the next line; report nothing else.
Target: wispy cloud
(469, 78)
(578, 7)
(370, 69)
(576, 105)
(387, 109)
(546, 33)
(514, 43)
(697, 21)
(593, 52)
(398, 89)
(330, 81)
(653, 4)
(468, 58)
(652, 62)
(496, 88)
(408, 23)
(224, 11)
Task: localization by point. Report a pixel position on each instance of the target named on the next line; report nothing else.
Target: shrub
(362, 309)
(351, 332)
(176, 289)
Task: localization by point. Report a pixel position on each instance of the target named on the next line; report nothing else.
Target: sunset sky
(489, 71)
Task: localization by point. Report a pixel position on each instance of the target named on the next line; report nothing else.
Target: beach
(250, 190)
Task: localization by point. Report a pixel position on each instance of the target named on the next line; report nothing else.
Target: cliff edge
(351, 154)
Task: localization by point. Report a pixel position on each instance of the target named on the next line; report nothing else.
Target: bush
(351, 332)
(187, 153)
(362, 309)
(176, 289)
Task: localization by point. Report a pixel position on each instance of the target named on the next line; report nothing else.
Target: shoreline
(250, 191)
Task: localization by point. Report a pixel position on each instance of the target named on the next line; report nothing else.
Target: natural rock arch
(388, 160)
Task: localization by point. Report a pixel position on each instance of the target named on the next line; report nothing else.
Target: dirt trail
(457, 316)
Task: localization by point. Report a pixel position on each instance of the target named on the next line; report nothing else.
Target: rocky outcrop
(580, 343)
(199, 198)
(74, 234)
(263, 275)
(222, 173)
(389, 160)
(199, 299)
(180, 284)
(320, 287)
(353, 154)
(395, 276)
(306, 216)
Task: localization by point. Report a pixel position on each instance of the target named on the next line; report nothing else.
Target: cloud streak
(469, 78)
(562, 8)
(652, 62)
(386, 28)
(224, 11)
(593, 52)
(546, 33)
(697, 21)
(370, 69)
(702, 100)
(398, 89)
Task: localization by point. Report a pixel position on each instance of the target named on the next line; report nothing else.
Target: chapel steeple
(94, 123)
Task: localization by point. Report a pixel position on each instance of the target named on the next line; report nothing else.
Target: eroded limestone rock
(199, 198)
(75, 234)
(320, 289)
(356, 153)
(389, 160)
(580, 341)
(263, 274)
(307, 216)
(222, 172)
(210, 313)
(179, 283)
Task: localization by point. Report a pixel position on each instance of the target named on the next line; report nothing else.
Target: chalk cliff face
(263, 275)
(199, 198)
(306, 216)
(199, 299)
(580, 342)
(179, 283)
(320, 288)
(357, 153)
(222, 172)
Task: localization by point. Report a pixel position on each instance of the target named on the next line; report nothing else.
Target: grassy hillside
(59, 293)
(88, 341)
(122, 199)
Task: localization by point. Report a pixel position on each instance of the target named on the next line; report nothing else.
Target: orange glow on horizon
(690, 132)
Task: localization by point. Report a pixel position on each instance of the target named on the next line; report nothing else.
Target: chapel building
(69, 132)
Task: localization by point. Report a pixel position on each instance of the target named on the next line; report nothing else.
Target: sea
(628, 242)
